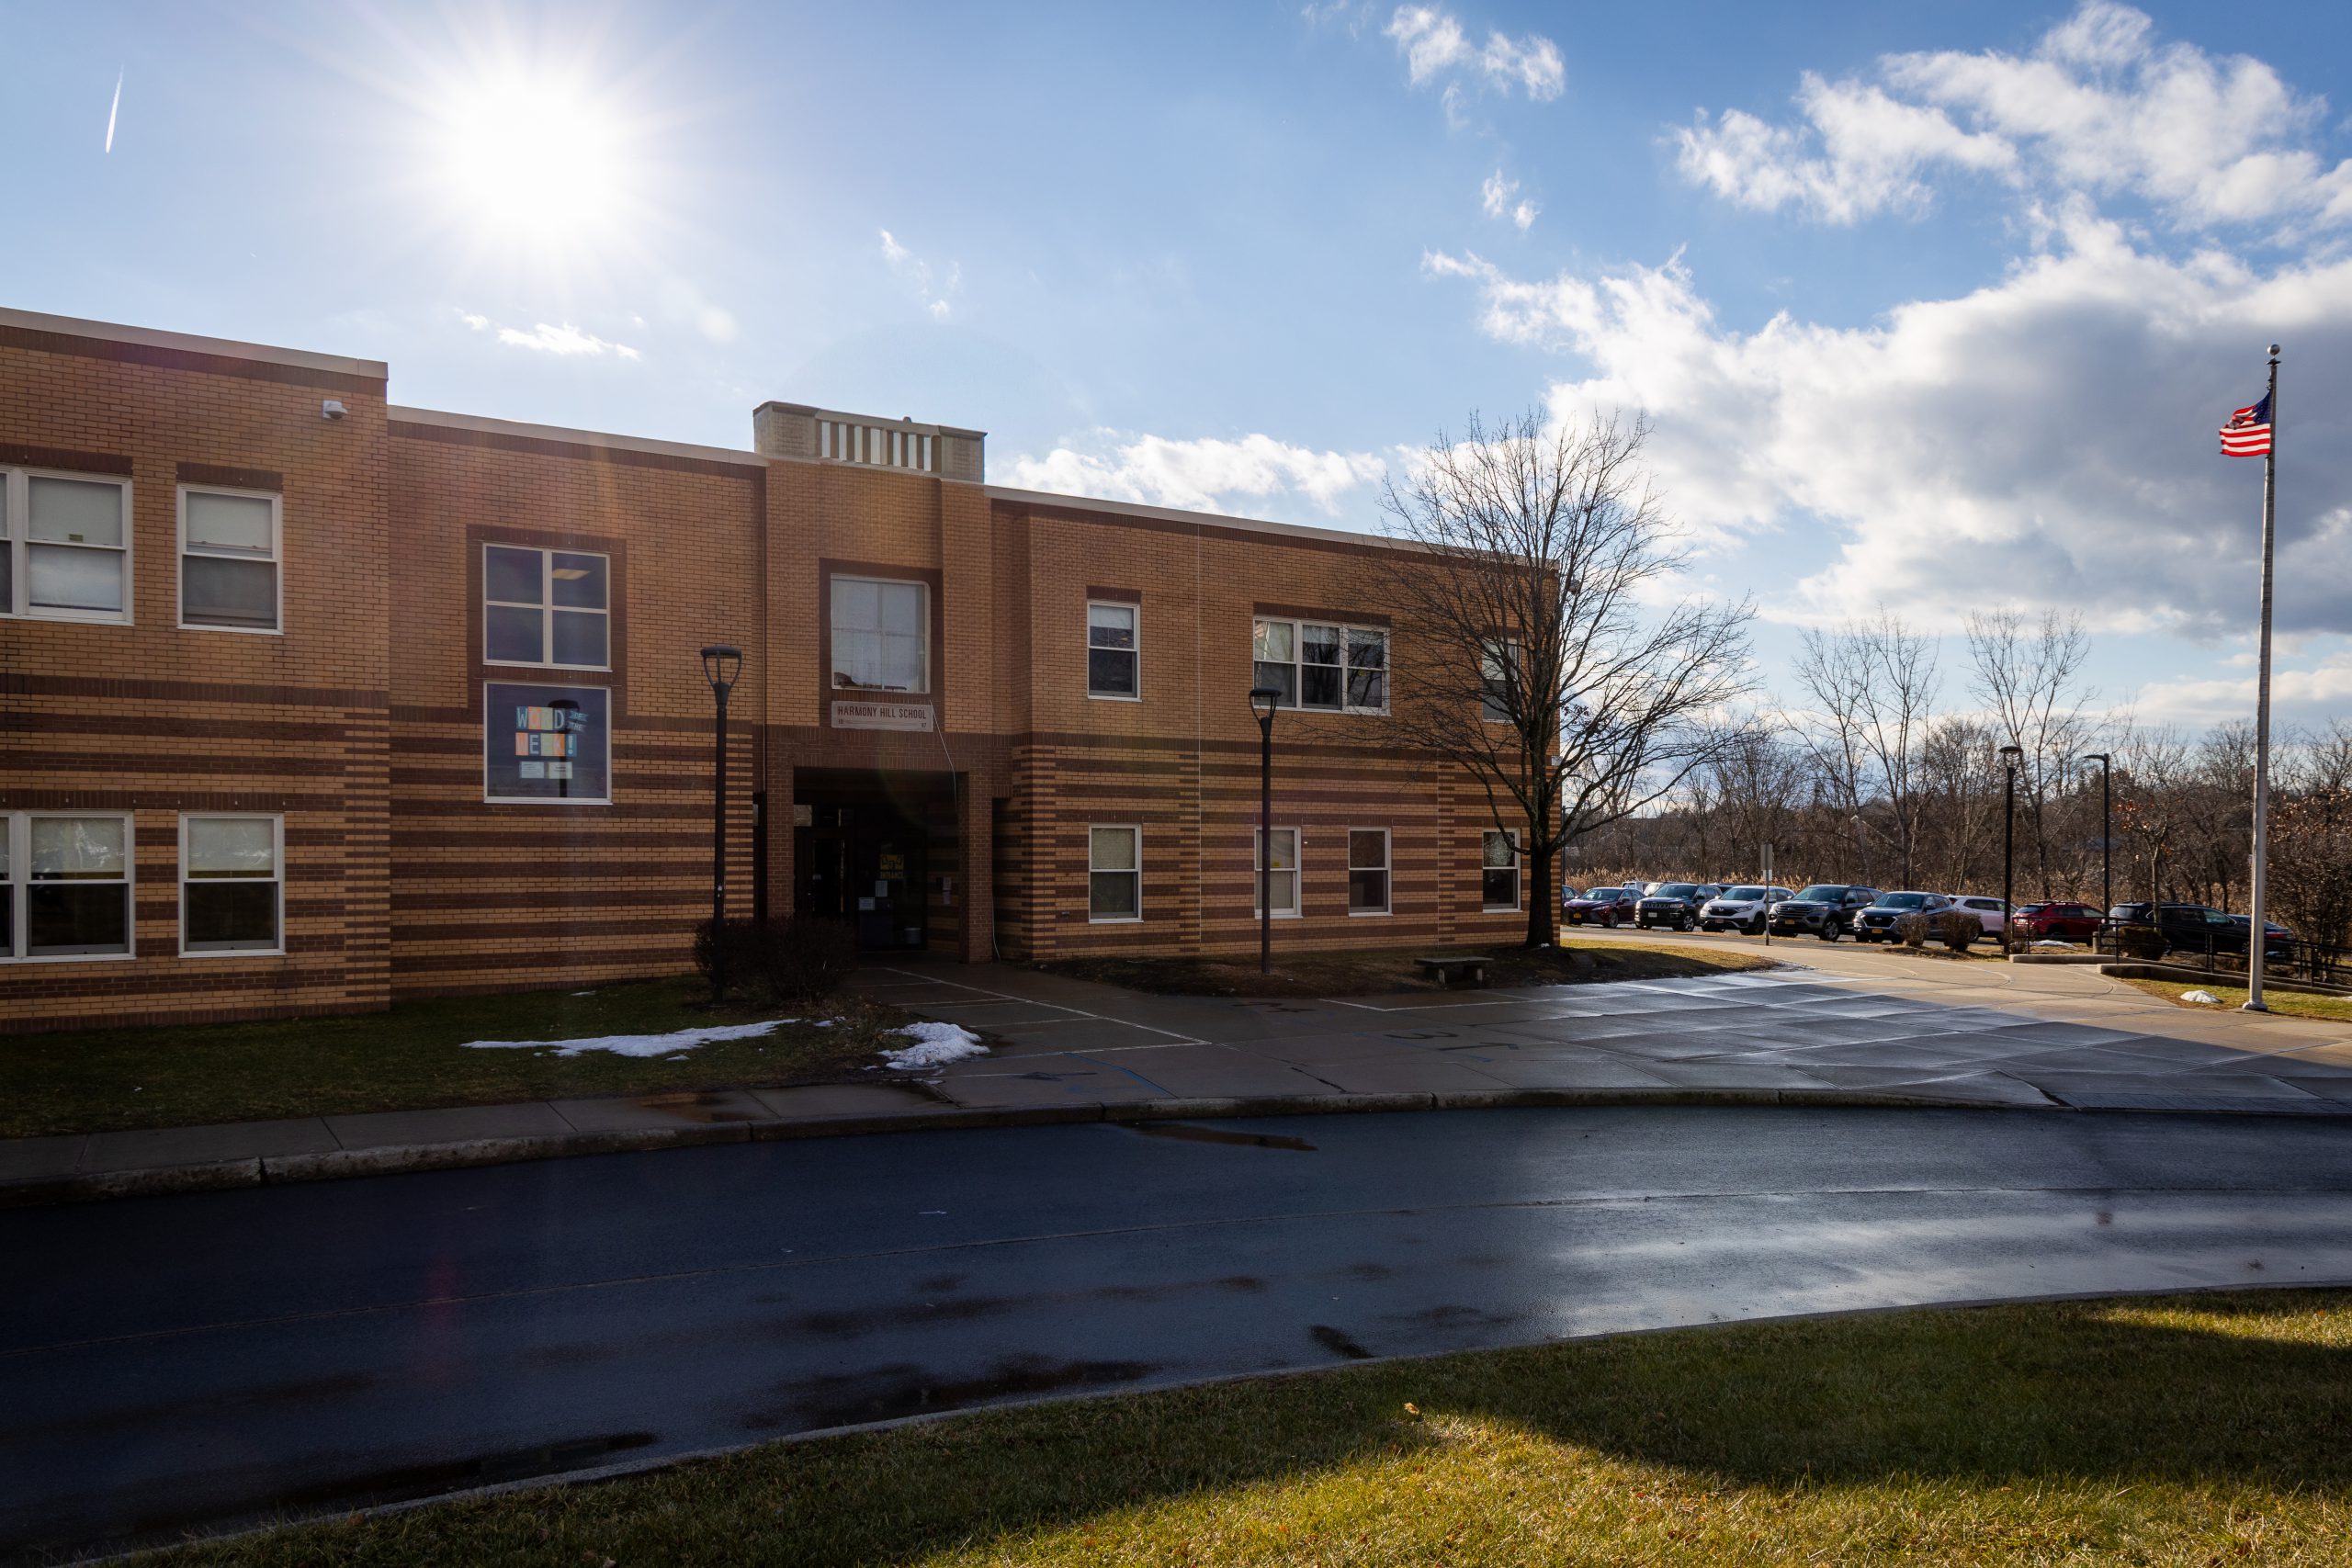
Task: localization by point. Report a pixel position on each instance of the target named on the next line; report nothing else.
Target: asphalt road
(179, 1363)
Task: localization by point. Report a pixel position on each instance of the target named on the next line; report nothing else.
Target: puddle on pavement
(1191, 1133)
(706, 1105)
(1339, 1342)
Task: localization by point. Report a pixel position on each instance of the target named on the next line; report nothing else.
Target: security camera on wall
(331, 409)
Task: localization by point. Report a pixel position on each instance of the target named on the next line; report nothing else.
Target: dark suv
(1825, 909)
(1600, 907)
(1878, 922)
(2196, 928)
(1675, 904)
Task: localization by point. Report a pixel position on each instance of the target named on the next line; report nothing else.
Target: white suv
(1740, 908)
(1991, 911)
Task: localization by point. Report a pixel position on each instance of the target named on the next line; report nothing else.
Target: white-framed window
(1113, 657)
(1367, 871)
(1497, 669)
(881, 632)
(1115, 874)
(64, 545)
(233, 884)
(1499, 870)
(229, 542)
(68, 879)
(1280, 879)
(1321, 665)
(546, 745)
(545, 607)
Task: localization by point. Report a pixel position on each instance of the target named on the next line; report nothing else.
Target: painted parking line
(1080, 1013)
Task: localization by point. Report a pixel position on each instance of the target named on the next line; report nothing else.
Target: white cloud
(2097, 108)
(1435, 47)
(2312, 692)
(1495, 199)
(1208, 474)
(2048, 439)
(917, 272)
(564, 340)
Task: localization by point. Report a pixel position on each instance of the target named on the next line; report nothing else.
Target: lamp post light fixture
(2009, 755)
(1263, 701)
(2106, 834)
(720, 664)
(567, 707)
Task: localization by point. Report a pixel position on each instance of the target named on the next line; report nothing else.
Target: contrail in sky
(113, 109)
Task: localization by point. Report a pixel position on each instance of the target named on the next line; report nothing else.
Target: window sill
(535, 800)
(1279, 913)
(246, 631)
(70, 958)
(1369, 914)
(75, 617)
(524, 664)
(1111, 697)
(1115, 919)
(232, 952)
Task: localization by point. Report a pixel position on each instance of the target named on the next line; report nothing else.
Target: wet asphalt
(184, 1363)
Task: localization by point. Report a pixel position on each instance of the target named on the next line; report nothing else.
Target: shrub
(1912, 929)
(789, 960)
(1957, 928)
(2145, 942)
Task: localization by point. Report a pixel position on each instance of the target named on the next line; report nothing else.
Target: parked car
(2068, 922)
(1825, 909)
(1991, 913)
(1600, 907)
(1876, 922)
(1568, 894)
(2200, 929)
(1741, 907)
(1674, 904)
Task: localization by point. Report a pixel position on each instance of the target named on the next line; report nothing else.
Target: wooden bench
(1447, 969)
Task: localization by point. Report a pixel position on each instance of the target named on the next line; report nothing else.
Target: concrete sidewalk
(1860, 1027)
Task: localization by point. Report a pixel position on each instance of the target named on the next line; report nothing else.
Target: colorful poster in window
(546, 742)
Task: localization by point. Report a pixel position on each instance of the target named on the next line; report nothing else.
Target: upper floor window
(229, 552)
(66, 882)
(1322, 666)
(545, 607)
(1111, 651)
(64, 545)
(881, 635)
(1497, 676)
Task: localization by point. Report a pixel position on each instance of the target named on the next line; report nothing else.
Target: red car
(1601, 907)
(2063, 922)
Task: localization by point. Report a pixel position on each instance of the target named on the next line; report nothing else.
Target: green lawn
(2198, 1430)
(103, 1079)
(1361, 973)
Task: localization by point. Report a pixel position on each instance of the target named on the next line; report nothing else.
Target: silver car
(1741, 908)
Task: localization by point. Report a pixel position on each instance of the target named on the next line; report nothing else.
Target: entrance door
(865, 862)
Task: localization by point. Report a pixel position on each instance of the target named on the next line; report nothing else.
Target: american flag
(2248, 435)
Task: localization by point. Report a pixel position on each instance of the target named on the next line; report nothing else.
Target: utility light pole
(2009, 756)
(1263, 701)
(720, 664)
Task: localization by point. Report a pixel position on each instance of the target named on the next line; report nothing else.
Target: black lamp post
(567, 707)
(2106, 832)
(1263, 701)
(720, 665)
(2009, 755)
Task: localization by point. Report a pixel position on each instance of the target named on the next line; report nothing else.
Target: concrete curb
(402, 1159)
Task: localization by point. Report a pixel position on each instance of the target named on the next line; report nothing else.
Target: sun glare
(536, 162)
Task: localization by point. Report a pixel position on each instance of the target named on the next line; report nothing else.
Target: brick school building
(309, 701)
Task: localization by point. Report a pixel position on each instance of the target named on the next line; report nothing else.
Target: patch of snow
(2047, 944)
(936, 1044)
(635, 1044)
(2202, 998)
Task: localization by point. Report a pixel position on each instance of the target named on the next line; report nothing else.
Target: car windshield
(1823, 893)
(1744, 892)
(1677, 889)
(1903, 901)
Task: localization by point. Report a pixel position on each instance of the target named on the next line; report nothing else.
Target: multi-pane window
(1111, 651)
(68, 884)
(545, 607)
(1322, 666)
(546, 743)
(881, 634)
(1498, 675)
(229, 547)
(1279, 877)
(1499, 870)
(231, 884)
(64, 545)
(1367, 871)
(1115, 874)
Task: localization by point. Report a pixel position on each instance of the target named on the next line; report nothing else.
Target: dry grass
(2287, 1004)
(2199, 1430)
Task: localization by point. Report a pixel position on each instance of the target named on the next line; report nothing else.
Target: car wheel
(1829, 933)
(1755, 926)
(1688, 924)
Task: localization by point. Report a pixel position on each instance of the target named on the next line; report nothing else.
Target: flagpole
(2257, 942)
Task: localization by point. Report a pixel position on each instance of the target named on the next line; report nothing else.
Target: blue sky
(1933, 306)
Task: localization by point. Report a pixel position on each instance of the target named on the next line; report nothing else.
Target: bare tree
(1543, 664)
(2030, 680)
(1875, 682)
